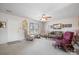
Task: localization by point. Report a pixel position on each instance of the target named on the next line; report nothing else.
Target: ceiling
(35, 10)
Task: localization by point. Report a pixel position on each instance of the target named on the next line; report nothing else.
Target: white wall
(74, 21)
(13, 31)
(3, 31)
(14, 28)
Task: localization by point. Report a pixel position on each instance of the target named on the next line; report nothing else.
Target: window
(34, 28)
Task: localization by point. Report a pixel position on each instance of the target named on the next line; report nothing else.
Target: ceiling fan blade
(49, 17)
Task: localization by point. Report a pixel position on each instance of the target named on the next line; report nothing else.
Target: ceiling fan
(45, 17)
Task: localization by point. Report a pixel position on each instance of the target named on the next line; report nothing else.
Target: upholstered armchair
(66, 41)
(27, 36)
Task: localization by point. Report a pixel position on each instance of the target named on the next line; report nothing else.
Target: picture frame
(67, 25)
(57, 26)
(2, 24)
(60, 26)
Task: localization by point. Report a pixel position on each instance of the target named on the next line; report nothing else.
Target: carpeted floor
(37, 47)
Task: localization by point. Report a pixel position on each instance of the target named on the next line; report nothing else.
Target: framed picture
(57, 26)
(67, 25)
(60, 26)
(2, 24)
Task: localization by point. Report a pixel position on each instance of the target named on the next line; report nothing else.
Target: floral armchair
(66, 41)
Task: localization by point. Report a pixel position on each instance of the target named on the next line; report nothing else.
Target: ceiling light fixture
(44, 17)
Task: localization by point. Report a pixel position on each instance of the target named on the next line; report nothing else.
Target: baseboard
(14, 42)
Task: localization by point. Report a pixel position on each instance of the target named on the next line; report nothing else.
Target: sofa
(55, 34)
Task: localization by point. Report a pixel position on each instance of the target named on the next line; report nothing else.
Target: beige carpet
(37, 47)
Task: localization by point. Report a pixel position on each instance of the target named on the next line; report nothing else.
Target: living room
(34, 28)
